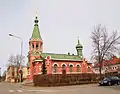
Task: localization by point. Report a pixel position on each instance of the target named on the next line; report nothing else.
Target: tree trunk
(100, 72)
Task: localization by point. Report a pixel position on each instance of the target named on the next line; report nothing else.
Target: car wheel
(100, 84)
(109, 83)
(118, 83)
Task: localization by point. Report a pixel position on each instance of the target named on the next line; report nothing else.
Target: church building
(55, 63)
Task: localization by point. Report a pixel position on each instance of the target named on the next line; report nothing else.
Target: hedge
(67, 79)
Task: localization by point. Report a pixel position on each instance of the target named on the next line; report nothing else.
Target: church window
(88, 69)
(78, 68)
(71, 68)
(33, 46)
(55, 68)
(63, 67)
(37, 46)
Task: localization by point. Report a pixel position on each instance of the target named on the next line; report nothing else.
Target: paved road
(7, 88)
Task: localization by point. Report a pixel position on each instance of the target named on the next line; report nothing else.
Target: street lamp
(0, 74)
(21, 54)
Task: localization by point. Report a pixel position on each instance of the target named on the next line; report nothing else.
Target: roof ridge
(60, 54)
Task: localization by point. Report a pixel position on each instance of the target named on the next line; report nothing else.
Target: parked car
(110, 81)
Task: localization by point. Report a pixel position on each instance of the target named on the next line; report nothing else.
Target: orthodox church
(55, 63)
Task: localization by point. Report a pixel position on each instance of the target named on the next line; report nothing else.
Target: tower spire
(36, 21)
(36, 31)
(36, 13)
(79, 48)
(78, 40)
(36, 40)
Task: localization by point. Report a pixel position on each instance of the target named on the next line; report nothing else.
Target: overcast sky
(60, 23)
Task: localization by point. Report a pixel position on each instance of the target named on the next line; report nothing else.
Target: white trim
(73, 72)
(54, 64)
(78, 64)
(37, 60)
(63, 64)
(71, 64)
(89, 66)
(57, 73)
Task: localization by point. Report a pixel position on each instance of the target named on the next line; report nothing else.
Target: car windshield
(115, 77)
(111, 77)
(106, 78)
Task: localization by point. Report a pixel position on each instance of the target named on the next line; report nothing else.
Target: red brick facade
(55, 63)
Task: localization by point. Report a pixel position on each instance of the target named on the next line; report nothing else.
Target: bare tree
(16, 60)
(11, 60)
(104, 45)
(118, 52)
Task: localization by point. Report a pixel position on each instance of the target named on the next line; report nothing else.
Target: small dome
(79, 45)
(36, 20)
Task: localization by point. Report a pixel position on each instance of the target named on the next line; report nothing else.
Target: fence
(113, 74)
(67, 79)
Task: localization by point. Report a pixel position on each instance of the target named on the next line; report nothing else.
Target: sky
(60, 23)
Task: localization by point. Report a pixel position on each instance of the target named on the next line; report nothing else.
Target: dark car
(110, 81)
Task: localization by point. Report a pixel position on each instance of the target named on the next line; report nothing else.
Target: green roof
(36, 53)
(36, 32)
(61, 56)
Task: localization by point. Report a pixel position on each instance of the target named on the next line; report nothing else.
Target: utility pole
(0, 74)
(20, 67)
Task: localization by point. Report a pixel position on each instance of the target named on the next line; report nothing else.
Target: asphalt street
(10, 88)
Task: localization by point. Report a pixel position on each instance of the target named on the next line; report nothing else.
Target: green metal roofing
(36, 32)
(36, 53)
(62, 56)
(58, 56)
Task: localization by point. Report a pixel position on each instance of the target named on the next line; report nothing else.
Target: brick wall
(65, 79)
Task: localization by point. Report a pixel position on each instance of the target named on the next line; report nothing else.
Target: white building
(112, 65)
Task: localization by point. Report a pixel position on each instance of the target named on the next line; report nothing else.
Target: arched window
(55, 67)
(78, 68)
(63, 67)
(37, 46)
(88, 69)
(33, 45)
(71, 68)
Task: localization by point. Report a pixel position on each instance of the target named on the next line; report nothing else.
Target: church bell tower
(36, 43)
